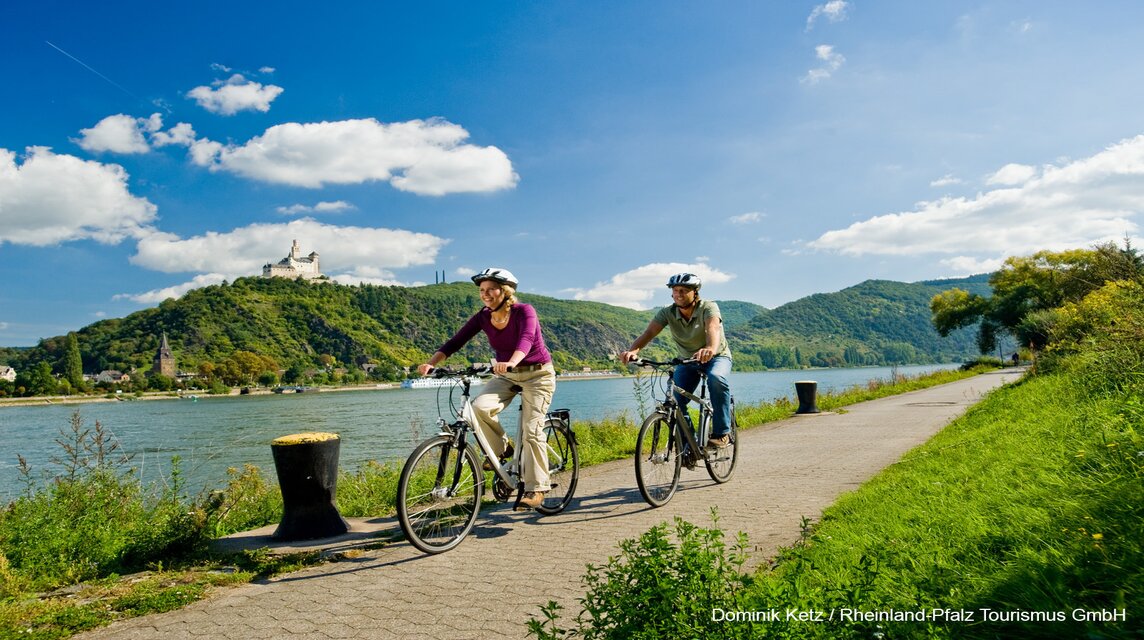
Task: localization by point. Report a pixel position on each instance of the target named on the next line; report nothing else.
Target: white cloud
(348, 254)
(832, 59)
(1096, 199)
(156, 296)
(426, 157)
(970, 265)
(181, 134)
(746, 218)
(643, 286)
(834, 11)
(126, 134)
(118, 134)
(947, 180)
(235, 94)
(1012, 174)
(58, 198)
(322, 207)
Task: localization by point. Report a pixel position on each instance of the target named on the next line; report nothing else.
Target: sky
(776, 148)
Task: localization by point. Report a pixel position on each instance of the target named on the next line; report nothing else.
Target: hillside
(874, 322)
(309, 324)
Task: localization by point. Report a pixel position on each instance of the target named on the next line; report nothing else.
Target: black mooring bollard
(807, 391)
(307, 466)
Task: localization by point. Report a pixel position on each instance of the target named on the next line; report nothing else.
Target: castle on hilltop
(294, 266)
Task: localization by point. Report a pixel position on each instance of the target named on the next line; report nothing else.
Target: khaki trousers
(538, 387)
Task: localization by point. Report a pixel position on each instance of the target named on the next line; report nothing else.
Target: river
(212, 434)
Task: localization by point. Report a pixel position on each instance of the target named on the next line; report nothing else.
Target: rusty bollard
(307, 466)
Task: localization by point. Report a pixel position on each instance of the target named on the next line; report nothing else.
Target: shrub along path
(512, 563)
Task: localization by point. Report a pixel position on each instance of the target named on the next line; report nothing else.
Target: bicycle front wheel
(563, 466)
(721, 461)
(439, 495)
(657, 460)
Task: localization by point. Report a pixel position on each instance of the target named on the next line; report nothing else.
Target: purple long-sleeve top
(521, 334)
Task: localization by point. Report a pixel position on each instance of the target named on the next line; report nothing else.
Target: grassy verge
(1024, 518)
(63, 569)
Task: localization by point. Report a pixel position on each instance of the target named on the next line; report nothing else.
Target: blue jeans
(717, 369)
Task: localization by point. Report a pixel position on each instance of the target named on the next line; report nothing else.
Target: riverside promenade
(512, 563)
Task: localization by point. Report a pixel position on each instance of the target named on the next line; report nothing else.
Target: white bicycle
(440, 489)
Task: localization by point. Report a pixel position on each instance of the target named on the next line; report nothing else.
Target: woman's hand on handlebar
(501, 368)
(424, 369)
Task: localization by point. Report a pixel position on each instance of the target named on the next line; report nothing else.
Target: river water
(212, 434)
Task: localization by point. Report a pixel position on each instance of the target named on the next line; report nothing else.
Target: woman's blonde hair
(509, 294)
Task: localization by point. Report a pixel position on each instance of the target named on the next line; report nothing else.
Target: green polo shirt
(690, 336)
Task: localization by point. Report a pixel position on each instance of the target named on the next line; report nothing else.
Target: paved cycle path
(512, 563)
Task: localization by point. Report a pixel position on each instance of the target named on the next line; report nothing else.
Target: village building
(112, 376)
(294, 266)
(164, 362)
(7, 373)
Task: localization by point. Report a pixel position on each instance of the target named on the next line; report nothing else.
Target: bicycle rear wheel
(563, 466)
(439, 495)
(657, 460)
(721, 462)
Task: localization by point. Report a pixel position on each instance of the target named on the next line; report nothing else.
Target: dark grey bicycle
(667, 442)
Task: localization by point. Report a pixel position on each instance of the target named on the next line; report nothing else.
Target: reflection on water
(211, 435)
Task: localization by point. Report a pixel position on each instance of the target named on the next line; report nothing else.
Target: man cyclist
(697, 331)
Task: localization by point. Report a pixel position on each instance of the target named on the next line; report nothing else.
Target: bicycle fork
(457, 444)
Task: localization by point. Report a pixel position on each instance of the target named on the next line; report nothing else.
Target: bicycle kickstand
(519, 495)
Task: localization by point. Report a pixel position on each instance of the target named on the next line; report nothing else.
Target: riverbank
(252, 391)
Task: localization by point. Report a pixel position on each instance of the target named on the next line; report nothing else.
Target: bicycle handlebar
(644, 362)
(475, 369)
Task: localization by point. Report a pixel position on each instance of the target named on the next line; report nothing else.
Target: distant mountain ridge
(300, 323)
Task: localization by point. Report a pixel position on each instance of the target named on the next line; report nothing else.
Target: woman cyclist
(514, 334)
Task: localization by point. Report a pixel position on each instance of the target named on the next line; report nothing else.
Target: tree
(1026, 288)
(73, 363)
(40, 381)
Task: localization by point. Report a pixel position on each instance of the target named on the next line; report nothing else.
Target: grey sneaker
(722, 441)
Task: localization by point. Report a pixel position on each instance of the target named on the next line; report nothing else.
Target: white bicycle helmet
(496, 274)
(685, 280)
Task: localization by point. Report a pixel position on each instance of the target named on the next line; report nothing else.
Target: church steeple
(164, 363)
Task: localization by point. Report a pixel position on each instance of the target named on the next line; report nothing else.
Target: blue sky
(779, 149)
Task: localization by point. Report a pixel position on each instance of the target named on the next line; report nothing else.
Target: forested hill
(309, 324)
(875, 322)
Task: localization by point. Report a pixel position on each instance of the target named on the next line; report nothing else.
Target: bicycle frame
(672, 407)
(510, 472)
(439, 492)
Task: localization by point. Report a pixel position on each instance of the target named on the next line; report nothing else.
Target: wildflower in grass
(1098, 536)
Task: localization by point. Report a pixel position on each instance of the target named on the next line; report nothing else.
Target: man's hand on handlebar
(704, 354)
(629, 356)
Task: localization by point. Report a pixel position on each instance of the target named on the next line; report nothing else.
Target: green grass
(1033, 502)
(1027, 512)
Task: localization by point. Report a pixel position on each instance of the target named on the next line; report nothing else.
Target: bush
(94, 518)
(660, 589)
